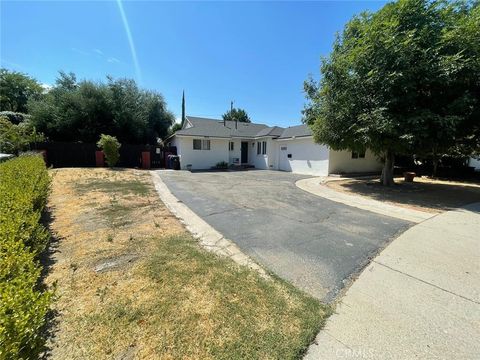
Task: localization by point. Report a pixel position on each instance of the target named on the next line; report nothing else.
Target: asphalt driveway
(314, 243)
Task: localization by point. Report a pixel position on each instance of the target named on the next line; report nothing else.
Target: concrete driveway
(314, 243)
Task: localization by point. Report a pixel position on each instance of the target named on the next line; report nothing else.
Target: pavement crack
(427, 283)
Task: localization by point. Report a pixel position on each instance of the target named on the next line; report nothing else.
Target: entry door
(244, 152)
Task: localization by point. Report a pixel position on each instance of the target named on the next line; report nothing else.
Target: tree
(16, 89)
(174, 128)
(15, 138)
(82, 111)
(400, 81)
(183, 108)
(236, 114)
(110, 146)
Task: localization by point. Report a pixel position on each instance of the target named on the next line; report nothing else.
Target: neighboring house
(202, 143)
(475, 163)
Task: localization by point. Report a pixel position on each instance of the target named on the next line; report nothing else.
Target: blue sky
(255, 53)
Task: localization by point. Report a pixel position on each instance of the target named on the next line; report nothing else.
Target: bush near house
(24, 186)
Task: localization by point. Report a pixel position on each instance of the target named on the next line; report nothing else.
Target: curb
(314, 186)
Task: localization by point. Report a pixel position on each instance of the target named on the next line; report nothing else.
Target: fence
(65, 154)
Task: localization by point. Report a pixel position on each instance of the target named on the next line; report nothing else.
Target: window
(197, 144)
(259, 148)
(264, 147)
(201, 144)
(230, 145)
(206, 145)
(358, 154)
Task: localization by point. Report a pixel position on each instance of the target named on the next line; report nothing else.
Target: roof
(216, 128)
(296, 131)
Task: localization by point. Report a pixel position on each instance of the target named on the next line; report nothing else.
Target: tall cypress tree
(183, 107)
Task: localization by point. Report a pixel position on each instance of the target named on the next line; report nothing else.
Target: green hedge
(24, 187)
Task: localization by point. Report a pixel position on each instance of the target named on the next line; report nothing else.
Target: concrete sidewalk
(314, 186)
(420, 298)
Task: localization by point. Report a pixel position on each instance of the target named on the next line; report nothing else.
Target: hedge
(24, 187)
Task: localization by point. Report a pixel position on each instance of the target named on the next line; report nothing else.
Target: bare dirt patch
(423, 194)
(131, 283)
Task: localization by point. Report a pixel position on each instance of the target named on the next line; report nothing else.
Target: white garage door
(303, 156)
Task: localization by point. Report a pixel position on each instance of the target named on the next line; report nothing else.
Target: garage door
(303, 156)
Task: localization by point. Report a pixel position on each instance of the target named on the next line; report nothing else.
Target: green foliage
(174, 128)
(24, 186)
(16, 138)
(82, 111)
(236, 114)
(16, 89)
(403, 80)
(15, 117)
(221, 165)
(110, 146)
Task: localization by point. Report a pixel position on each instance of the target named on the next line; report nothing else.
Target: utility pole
(231, 105)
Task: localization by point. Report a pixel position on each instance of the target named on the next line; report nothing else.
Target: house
(202, 143)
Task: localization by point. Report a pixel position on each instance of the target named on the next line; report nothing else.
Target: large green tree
(16, 89)
(236, 114)
(82, 111)
(404, 80)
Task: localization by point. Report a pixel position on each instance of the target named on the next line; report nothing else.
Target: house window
(230, 145)
(259, 148)
(206, 145)
(197, 144)
(264, 147)
(358, 154)
(201, 144)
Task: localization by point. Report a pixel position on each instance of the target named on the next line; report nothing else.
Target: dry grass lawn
(131, 283)
(423, 194)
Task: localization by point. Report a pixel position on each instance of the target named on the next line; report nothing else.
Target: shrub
(24, 185)
(15, 117)
(110, 146)
(15, 138)
(222, 165)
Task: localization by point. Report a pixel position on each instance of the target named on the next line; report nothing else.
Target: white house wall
(201, 159)
(307, 157)
(342, 162)
(474, 163)
(263, 161)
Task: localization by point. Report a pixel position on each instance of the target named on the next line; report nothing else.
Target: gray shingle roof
(296, 131)
(216, 128)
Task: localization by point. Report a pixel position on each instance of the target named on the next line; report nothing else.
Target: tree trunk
(387, 172)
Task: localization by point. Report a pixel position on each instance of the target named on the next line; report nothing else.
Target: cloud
(98, 53)
(79, 51)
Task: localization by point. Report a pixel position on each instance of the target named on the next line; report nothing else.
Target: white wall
(237, 151)
(201, 159)
(475, 163)
(263, 161)
(306, 157)
(342, 162)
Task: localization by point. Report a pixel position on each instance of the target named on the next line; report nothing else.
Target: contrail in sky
(130, 40)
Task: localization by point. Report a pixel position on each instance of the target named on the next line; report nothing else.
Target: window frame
(197, 142)
(231, 146)
(264, 148)
(259, 147)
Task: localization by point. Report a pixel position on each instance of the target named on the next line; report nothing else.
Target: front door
(244, 152)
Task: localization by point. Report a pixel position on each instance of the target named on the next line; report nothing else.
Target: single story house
(202, 143)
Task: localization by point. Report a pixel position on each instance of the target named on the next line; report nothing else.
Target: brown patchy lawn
(423, 194)
(131, 283)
